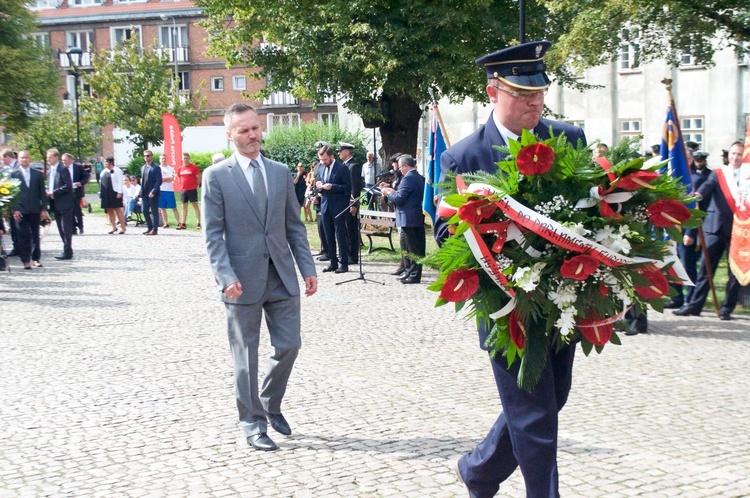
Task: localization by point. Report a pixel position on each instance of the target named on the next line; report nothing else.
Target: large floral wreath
(10, 188)
(555, 246)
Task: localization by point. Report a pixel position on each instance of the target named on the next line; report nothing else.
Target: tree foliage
(56, 128)
(132, 88)
(385, 56)
(663, 29)
(28, 78)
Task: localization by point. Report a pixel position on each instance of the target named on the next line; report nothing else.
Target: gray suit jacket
(239, 243)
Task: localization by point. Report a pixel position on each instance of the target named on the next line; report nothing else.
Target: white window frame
(83, 3)
(686, 59)
(630, 51)
(236, 79)
(328, 118)
(181, 38)
(220, 81)
(693, 129)
(630, 127)
(45, 4)
(278, 120)
(114, 29)
(280, 99)
(577, 122)
(184, 78)
(41, 39)
(82, 39)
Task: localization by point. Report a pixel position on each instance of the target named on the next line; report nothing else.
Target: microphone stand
(359, 242)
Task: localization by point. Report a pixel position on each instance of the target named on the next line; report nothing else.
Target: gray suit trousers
(282, 312)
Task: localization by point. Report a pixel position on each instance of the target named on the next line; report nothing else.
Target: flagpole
(701, 237)
(442, 125)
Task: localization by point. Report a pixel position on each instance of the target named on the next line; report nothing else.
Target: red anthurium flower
(596, 330)
(460, 286)
(579, 267)
(477, 210)
(659, 284)
(636, 180)
(667, 213)
(517, 330)
(603, 290)
(535, 159)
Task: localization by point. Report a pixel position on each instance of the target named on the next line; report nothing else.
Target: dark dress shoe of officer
(324, 257)
(330, 268)
(398, 271)
(410, 280)
(685, 311)
(341, 269)
(635, 330)
(725, 316)
(674, 304)
(262, 442)
(279, 424)
(64, 256)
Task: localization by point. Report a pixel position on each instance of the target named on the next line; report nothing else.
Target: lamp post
(74, 56)
(173, 37)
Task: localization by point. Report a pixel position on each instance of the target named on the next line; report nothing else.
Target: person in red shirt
(190, 176)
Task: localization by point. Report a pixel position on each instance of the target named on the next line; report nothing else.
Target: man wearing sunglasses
(525, 433)
(150, 191)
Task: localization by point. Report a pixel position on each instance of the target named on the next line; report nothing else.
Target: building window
(328, 118)
(82, 3)
(693, 130)
(41, 39)
(217, 83)
(119, 35)
(280, 99)
(177, 36)
(630, 127)
(238, 82)
(686, 59)
(280, 120)
(630, 49)
(580, 124)
(329, 99)
(184, 80)
(80, 39)
(45, 4)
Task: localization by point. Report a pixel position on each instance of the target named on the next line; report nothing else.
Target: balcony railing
(184, 96)
(280, 98)
(182, 53)
(85, 60)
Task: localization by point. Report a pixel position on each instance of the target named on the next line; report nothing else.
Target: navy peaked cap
(520, 66)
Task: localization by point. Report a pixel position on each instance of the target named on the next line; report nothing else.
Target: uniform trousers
(716, 245)
(282, 313)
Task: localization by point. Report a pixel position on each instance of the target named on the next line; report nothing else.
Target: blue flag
(673, 149)
(437, 146)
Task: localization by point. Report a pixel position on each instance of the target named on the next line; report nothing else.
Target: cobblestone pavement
(115, 380)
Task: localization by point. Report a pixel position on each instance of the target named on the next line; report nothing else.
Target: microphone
(383, 175)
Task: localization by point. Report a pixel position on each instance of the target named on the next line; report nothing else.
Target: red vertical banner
(172, 146)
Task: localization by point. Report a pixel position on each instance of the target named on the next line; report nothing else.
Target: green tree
(385, 56)
(132, 88)
(56, 128)
(28, 78)
(663, 29)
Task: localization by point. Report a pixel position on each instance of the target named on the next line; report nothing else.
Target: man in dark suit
(335, 187)
(60, 190)
(150, 192)
(80, 179)
(717, 229)
(345, 151)
(525, 433)
(409, 215)
(254, 235)
(30, 208)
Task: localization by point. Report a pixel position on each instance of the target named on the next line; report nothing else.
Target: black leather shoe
(353, 261)
(262, 442)
(399, 271)
(410, 280)
(279, 424)
(330, 268)
(725, 316)
(12, 253)
(341, 269)
(633, 330)
(685, 311)
(673, 304)
(323, 258)
(64, 256)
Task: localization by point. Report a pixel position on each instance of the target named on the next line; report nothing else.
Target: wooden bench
(377, 224)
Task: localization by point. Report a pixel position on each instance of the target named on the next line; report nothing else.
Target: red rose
(596, 330)
(460, 286)
(579, 267)
(667, 213)
(477, 210)
(535, 159)
(636, 180)
(517, 330)
(659, 285)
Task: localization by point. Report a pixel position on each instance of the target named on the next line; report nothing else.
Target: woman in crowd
(111, 184)
(300, 185)
(309, 194)
(166, 199)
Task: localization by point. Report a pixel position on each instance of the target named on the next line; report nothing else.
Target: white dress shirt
(244, 163)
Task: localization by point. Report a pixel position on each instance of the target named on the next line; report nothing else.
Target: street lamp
(74, 56)
(173, 37)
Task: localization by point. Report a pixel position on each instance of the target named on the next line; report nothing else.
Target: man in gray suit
(252, 228)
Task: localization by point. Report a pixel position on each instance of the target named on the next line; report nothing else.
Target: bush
(291, 145)
(200, 159)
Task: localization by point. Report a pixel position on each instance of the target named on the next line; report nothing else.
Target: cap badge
(538, 51)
